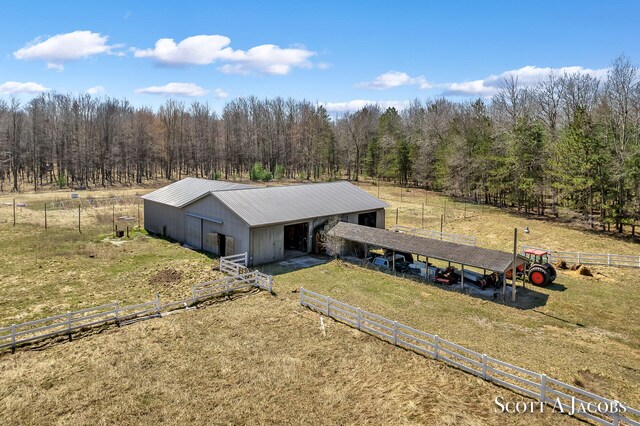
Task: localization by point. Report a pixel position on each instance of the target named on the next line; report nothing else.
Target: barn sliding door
(193, 232)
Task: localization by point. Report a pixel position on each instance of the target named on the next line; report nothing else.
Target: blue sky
(337, 53)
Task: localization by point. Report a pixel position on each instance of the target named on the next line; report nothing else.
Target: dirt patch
(166, 277)
(591, 381)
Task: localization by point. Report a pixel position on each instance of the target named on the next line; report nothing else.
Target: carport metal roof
(492, 260)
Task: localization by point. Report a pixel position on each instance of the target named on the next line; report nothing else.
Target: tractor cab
(537, 256)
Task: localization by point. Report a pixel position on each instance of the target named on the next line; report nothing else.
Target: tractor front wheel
(538, 276)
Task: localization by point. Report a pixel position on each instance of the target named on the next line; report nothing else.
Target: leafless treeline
(569, 140)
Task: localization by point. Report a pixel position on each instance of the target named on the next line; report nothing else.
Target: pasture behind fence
(437, 235)
(112, 313)
(602, 259)
(539, 386)
(76, 213)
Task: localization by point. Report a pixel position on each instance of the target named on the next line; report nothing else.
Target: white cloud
(393, 79)
(62, 48)
(267, 58)
(527, 76)
(221, 93)
(356, 104)
(207, 49)
(96, 90)
(179, 89)
(14, 87)
(196, 50)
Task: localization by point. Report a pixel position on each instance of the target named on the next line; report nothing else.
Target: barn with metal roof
(270, 223)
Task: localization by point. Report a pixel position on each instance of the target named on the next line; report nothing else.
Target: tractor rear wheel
(538, 276)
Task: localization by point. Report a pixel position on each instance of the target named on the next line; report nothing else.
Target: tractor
(538, 269)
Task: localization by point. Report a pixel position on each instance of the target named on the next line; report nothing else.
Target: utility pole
(515, 256)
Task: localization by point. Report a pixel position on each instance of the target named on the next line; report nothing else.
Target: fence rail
(112, 313)
(545, 389)
(235, 264)
(602, 259)
(437, 235)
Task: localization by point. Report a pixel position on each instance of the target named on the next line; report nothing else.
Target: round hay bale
(585, 271)
(560, 264)
(575, 266)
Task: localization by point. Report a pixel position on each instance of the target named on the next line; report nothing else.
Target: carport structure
(464, 255)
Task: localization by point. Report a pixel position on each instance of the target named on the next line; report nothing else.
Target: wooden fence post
(246, 258)
(79, 230)
(359, 318)
(117, 314)
(158, 303)
(270, 283)
(397, 210)
(45, 215)
(395, 333)
(69, 324)
(301, 290)
(328, 306)
(543, 388)
(13, 338)
(436, 339)
(226, 285)
(484, 366)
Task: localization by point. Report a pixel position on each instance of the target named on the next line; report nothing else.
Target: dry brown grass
(257, 360)
(263, 359)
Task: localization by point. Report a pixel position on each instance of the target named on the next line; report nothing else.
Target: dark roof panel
(477, 257)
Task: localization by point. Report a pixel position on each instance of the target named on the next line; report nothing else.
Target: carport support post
(462, 276)
(515, 256)
(504, 284)
(393, 262)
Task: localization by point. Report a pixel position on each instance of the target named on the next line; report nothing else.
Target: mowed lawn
(264, 358)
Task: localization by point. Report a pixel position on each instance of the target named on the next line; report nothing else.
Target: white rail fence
(545, 389)
(437, 235)
(112, 313)
(235, 264)
(602, 259)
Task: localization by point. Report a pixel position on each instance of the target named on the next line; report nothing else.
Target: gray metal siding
(231, 225)
(267, 244)
(157, 215)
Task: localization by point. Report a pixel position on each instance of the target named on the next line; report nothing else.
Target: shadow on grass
(556, 287)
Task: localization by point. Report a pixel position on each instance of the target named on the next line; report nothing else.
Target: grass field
(265, 359)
